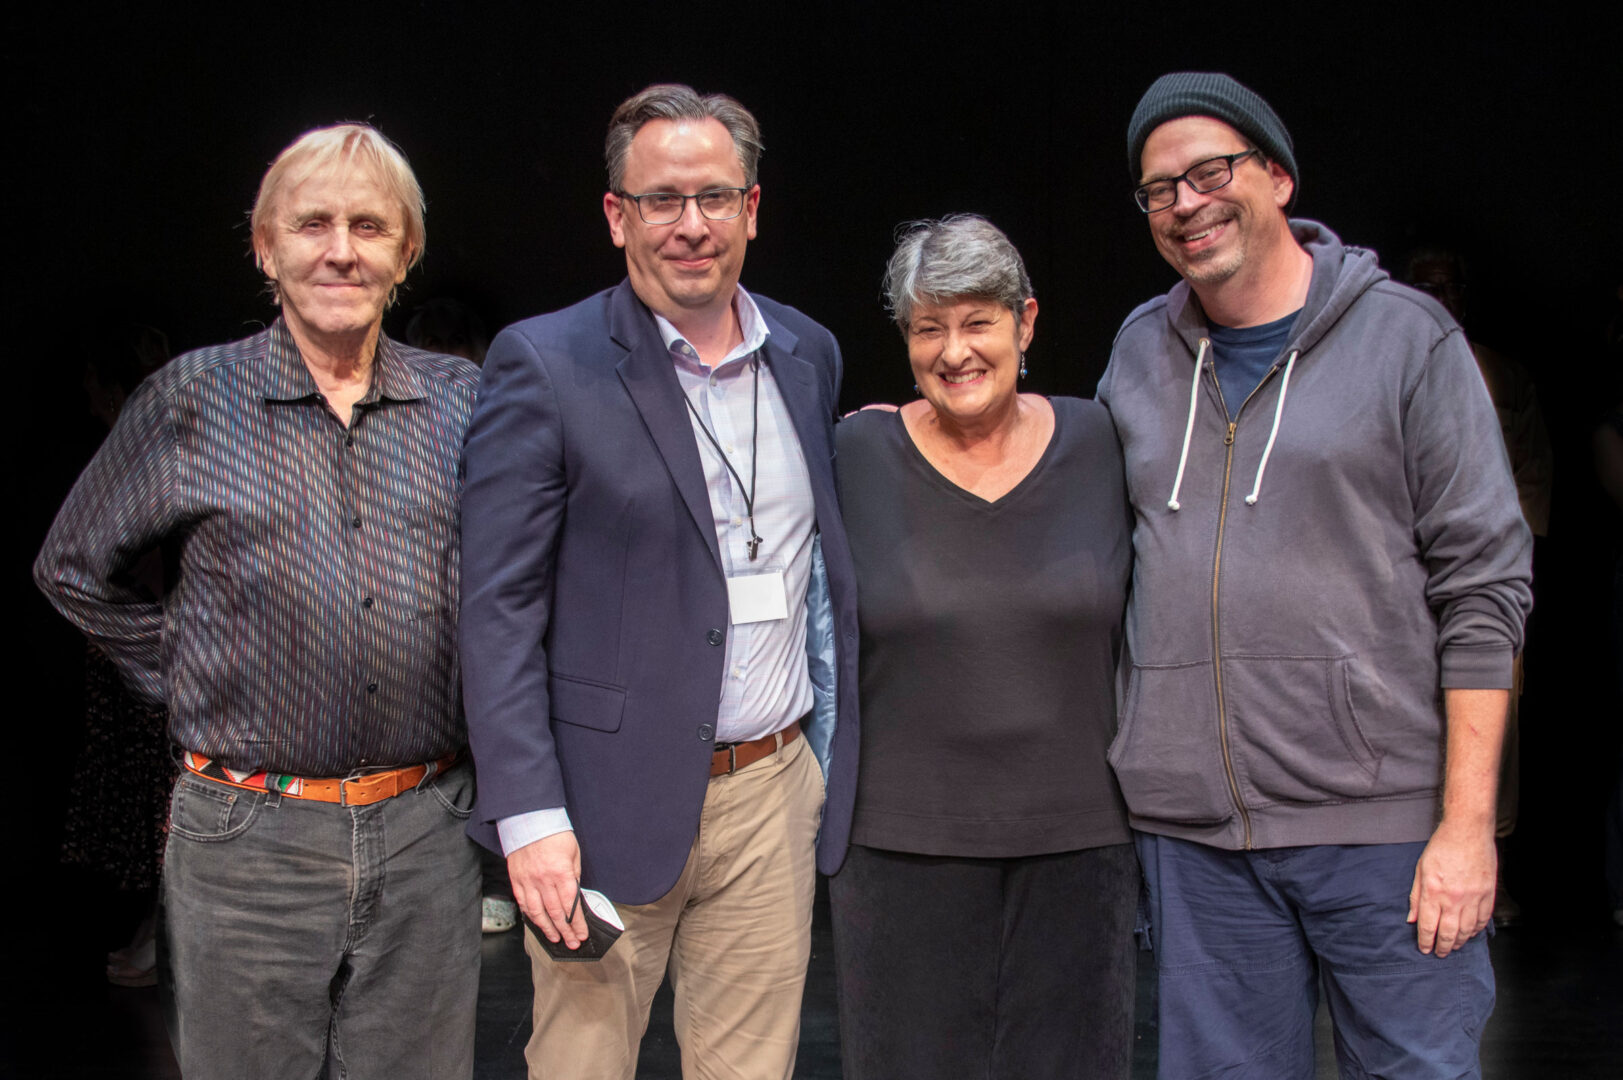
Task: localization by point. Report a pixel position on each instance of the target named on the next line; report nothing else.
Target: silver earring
(1022, 365)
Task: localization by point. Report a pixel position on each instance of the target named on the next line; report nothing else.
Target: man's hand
(546, 877)
(1452, 897)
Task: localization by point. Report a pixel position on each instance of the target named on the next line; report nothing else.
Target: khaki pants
(734, 933)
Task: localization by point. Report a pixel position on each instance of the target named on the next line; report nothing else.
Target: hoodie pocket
(1167, 756)
(1294, 730)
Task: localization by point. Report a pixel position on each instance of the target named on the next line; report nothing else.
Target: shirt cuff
(1479, 668)
(523, 829)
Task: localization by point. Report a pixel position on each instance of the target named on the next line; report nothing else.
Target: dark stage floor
(1559, 1014)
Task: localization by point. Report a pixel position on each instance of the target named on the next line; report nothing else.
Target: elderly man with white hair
(320, 901)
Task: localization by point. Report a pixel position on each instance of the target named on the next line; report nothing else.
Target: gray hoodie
(1346, 543)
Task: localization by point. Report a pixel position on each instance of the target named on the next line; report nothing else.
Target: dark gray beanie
(1209, 93)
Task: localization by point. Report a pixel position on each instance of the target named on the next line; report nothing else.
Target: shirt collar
(287, 379)
(393, 379)
(750, 324)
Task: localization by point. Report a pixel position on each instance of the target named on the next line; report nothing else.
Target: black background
(137, 140)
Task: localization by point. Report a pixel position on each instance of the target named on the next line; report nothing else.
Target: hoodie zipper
(1217, 567)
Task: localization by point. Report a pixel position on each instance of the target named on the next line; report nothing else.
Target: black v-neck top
(990, 634)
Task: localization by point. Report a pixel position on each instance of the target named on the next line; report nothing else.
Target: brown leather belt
(730, 757)
(362, 790)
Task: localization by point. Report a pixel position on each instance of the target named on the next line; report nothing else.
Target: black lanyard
(754, 543)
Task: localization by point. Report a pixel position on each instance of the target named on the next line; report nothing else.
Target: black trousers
(1007, 969)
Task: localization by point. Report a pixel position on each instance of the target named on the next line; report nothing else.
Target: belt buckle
(367, 791)
(732, 758)
(343, 789)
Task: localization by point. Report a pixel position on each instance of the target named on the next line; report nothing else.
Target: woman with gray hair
(983, 918)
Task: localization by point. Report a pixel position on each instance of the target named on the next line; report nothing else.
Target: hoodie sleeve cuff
(1478, 668)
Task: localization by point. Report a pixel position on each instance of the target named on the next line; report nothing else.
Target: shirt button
(356, 521)
(715, 637)
(705, 732)
(737, 521)
(371, 688)
(349, 440)
(728, 448)
(367, 602)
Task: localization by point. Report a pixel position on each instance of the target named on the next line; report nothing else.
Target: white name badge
(757, 598)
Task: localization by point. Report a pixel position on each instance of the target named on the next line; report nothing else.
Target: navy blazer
(594, 605)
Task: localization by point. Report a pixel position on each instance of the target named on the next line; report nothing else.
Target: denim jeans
(1243, 938)
(298, 936)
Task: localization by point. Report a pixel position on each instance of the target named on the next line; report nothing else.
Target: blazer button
(705, 732)
(715, 637)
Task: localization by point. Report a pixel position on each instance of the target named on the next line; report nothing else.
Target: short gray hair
(962, 255)
(673, 101)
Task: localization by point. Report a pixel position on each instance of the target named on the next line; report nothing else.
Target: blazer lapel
(802, 396)
(650, 379)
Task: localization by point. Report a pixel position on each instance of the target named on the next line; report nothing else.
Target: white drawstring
(1279, 410)
(1188, 428)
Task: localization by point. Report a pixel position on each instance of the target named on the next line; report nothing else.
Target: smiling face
(689, 268)
(965, 356)
(336, 249)
(1211, 238)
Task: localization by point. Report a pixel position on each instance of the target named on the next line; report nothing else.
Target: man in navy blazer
(659, 617)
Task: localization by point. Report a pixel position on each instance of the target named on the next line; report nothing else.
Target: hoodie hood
(1340, 276)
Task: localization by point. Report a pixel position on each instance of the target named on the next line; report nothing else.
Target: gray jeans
(298, 936)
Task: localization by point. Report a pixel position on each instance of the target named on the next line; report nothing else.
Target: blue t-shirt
(1243, 356)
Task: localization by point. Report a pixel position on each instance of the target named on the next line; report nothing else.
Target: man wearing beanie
(1331, 580)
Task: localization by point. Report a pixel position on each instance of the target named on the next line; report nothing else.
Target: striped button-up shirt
(308, 625)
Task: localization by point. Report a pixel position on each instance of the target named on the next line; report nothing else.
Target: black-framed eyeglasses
(667, 207)
(1203, 178)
